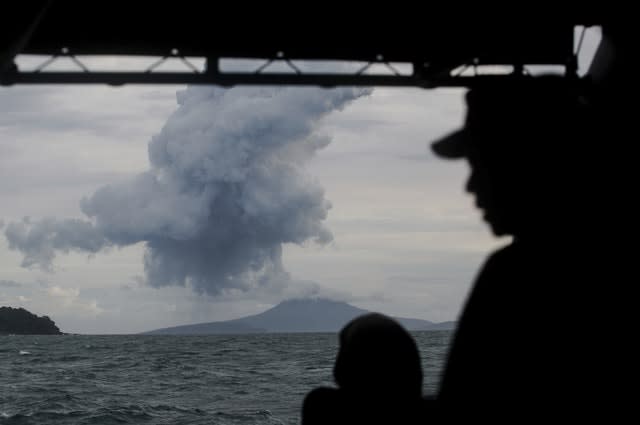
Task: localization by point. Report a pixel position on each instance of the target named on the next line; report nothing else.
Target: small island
(18, 321)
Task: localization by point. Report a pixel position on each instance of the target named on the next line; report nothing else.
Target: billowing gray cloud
(226, 188)
(39, 240)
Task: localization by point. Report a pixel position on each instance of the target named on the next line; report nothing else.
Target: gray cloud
(39, 240)
(9, 284)
(226, 188)
(50, 112)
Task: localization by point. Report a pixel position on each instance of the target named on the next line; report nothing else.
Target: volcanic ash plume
(225, 190)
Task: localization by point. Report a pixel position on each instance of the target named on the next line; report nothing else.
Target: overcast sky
(406, 239)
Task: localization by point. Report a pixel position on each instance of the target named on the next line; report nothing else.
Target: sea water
(240, 379)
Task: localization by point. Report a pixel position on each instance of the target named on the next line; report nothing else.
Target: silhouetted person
(527, 343)
(379, 377)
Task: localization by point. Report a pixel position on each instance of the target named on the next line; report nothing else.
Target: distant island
(297, 315)
(18, 321)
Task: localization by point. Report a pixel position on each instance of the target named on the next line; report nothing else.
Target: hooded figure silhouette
(379, 377)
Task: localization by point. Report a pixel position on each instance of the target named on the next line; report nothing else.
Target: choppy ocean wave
(248, 379)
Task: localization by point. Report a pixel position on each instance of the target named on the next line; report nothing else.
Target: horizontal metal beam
(232, 79)
(223, 79)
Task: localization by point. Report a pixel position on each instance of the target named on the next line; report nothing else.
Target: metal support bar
(292, 66)
(364, 68)
(263, 67)
(78, 63)
(223, 79)
(211, 65)
(392, 68)
(156, 64)
(189, 65)
(46, 63)
(7, 57)
(232, 79)
(65, 54)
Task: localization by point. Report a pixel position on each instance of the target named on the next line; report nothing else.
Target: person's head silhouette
(517, 139)
(379, 376)
(378, 357)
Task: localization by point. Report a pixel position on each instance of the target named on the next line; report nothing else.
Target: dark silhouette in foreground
(551, 166)
(530, 147)
(379, 377)
(535, 173)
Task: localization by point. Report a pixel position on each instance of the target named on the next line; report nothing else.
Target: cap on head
(452, 146)
(500, 117)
